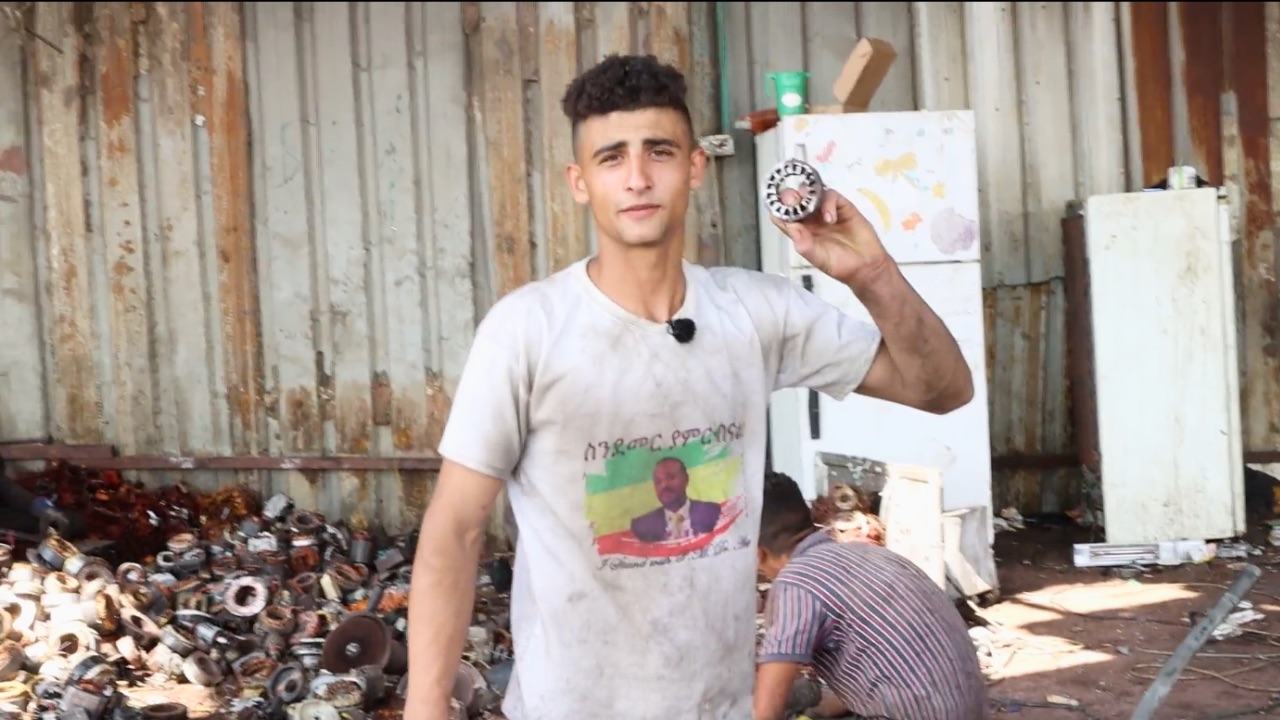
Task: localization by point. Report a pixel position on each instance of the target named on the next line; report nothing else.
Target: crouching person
(881, 635)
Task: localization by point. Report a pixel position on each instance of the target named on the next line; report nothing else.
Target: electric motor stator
(800, 177)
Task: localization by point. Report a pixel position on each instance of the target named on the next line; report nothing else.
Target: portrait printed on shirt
(665, 497)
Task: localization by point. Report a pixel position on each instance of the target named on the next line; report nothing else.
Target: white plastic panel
(1163, 303)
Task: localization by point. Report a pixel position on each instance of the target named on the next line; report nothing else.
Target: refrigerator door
(914, 175)
(1162, 291)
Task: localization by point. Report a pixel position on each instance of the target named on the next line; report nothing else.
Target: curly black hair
(623, 83)
(785, 516)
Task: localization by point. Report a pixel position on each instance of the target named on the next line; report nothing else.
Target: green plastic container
(791, 91)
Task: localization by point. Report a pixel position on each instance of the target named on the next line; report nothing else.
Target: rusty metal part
(200, 669)
(353, 463)
(181, 543)
(93, 570)
(178, 640)
(11, 660)
(305, 522)
(361, 548)
(304, 584)
(340, 691)
(76, 700)
(54, 551)
(361, 640)
(254, 669)
(140, 627)
(108, 613)
(131, 573)
(246, 596)
(90, 667)
(304, 559)
(164, 711)
(289, 683)
(277, 619)
(348, 577)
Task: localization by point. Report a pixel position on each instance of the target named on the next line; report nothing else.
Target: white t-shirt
(625, 606)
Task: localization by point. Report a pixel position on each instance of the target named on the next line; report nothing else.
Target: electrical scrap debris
(282, 614)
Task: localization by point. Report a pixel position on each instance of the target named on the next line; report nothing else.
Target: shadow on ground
(1099, 640)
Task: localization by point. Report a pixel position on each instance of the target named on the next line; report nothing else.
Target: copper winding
(277, 619)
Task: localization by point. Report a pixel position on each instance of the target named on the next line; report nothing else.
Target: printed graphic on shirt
(667, 497)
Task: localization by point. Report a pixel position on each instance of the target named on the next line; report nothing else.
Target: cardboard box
(863, 72)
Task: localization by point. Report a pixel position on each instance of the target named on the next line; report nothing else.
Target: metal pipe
(722, 62)
(245, 463)
(1192, 643)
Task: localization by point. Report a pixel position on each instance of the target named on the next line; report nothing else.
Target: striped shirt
(878, 631)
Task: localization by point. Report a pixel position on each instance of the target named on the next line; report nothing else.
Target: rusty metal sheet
(1153, 87)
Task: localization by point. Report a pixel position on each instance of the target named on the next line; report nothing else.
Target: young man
(881, 635)
(595, 411)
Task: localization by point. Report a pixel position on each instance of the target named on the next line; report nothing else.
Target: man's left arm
(793, 619)
(909, 356)
(919, 362)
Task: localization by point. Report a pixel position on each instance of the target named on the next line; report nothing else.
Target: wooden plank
(1049, 177)
(502, 121)
(227, 115)
(993, 95)
(564, 220)
(22, 383)
(75, 406)
(940, 57)
(120, 226)
(891, 22)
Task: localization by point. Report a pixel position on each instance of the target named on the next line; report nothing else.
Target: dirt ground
(1099, 640)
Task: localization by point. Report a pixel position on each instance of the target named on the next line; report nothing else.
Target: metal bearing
(799, 176)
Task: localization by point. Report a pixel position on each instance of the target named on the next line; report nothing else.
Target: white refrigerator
(914, 176)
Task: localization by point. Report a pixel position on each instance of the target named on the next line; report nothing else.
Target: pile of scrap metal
(279, 612)
(849, 514)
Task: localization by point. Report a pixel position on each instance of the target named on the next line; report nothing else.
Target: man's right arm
(444, 576)
(481, 446)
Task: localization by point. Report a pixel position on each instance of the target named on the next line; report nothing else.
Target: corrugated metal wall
(129, 304)
(1072, 99)
(169, 288)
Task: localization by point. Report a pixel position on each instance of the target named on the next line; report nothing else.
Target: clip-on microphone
(682, 329)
